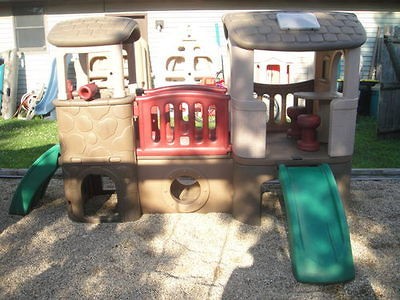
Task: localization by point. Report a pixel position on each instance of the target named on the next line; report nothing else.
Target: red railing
(178, 121)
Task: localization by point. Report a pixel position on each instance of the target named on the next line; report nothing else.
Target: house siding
(7, 39)
(35, 69)
(371, 21)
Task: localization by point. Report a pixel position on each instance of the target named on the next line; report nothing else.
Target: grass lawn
(371, 151)
(22, 142)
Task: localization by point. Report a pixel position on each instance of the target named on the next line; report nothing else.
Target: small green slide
(34, 184)
(318, 233)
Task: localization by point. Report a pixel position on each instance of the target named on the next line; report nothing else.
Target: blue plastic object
(45, 105)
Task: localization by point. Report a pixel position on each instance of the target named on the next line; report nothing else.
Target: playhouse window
(155, 123)
(325, 68)
(102, 200)
(198, 121)
(202, 63)
(185, 189)
(170, 122)
(273, 73)
(184, 108)
(297, 20)
(212, 122)
(175, 63)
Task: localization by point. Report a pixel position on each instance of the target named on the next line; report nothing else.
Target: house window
(29, 26)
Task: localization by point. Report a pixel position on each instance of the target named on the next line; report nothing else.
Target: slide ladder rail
(318, 233)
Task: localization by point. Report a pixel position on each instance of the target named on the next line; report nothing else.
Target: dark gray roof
(94, 31)
(260, 30)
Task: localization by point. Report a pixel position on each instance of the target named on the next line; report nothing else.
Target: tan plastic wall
(97, 139)
(339, 132)
(248, 116)
(96, 131)
(214, 190)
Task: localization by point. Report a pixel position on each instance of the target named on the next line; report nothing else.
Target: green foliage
(23, 141)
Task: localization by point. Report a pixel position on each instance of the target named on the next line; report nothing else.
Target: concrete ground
(45, 255)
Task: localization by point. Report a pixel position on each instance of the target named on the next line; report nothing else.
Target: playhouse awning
(262, 31)
(94, 31)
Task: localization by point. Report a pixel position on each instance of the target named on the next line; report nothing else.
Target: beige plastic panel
(96, 131)
(241, 73)
(185, 185)
(247, 181)
(116, 74)
(94, 31)
(343, 112)
(249, 127)
(342, 127)
(338, 117)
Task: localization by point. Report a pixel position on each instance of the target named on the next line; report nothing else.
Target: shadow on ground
(191, 256)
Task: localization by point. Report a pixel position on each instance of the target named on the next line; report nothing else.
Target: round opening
(185, 189)
(85, 92)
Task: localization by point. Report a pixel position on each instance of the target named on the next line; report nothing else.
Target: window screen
(29, 26)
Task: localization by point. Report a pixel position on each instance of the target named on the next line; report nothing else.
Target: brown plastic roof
(94, 31)
(260, 30)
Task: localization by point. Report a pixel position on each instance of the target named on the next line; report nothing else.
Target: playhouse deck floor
(280, 147)
(283, 150)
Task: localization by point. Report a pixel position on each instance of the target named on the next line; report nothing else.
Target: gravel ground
(189, 256)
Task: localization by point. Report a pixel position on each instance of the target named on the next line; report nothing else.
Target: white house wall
(38, 63)
(371, 21)
(6, 33)
(202, 23)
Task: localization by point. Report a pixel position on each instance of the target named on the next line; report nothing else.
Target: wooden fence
(388, 74)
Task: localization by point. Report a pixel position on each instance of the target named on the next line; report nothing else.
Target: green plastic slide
(318, 233)
(34, 184)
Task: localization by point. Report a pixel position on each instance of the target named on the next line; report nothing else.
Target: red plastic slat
(184, 131)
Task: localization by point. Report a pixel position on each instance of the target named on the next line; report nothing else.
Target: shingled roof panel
(94, 31)
(260, 30)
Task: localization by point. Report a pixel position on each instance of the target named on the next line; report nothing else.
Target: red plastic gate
(175, 122)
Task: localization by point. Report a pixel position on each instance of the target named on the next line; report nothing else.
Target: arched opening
(99, 192)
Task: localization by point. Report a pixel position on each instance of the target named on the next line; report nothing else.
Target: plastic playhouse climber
(320, 246)
(190, 60)
(192, 148)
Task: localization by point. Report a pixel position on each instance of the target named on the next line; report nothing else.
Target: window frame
(22, 9)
